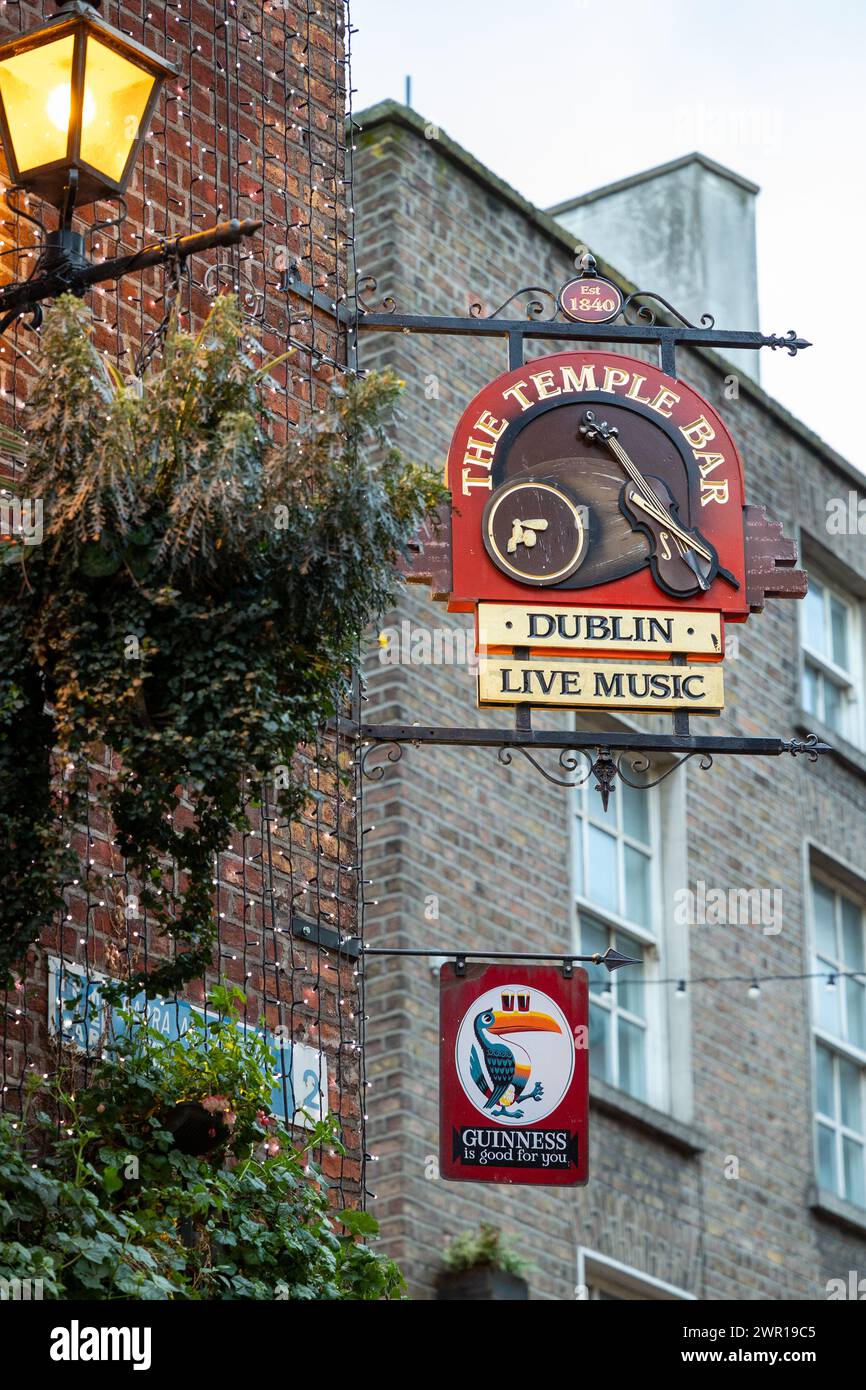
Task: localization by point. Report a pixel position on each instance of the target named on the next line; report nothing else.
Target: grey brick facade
(488, 849)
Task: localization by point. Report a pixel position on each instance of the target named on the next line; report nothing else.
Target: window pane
(599, 1042)
(834, 706)
(810, 688)
(601, 869)
(629, 982)
(637, 891)
(855, 999)
(839, 632)
(813, 618)
(594, 938)
(631, 1058)
(593, 807)
(578, 856)
(824, 1097)
(635, 812)
(852, 935)
(827, 1000)
(850, 1079)
(826, 1158)
(824, 906)
(852, 1157)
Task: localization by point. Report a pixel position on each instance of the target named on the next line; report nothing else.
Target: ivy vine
(98, 1201)
(194, 605)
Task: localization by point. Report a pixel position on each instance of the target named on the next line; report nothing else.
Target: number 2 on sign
(311, 1101)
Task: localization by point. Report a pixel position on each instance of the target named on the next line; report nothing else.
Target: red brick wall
(253, 127)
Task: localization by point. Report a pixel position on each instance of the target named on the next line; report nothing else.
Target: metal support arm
(605, 755)
(68, 271)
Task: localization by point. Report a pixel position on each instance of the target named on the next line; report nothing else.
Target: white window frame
(597, 1271)
(580, 825)
(646, 937)
(665, 943)
(837, 1046)
(837, 1127)
(848, 681)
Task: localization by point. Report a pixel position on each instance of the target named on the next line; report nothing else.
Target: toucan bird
(507, 1065)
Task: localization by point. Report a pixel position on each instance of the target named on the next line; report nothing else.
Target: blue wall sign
(77, 1009)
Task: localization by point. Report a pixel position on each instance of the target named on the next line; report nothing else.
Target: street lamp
(76, 98)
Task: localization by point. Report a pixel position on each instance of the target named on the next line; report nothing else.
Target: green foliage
(486, 1246)
(195, 605)
(113, 1210)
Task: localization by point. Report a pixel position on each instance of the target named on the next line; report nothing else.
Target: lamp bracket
(67, 207)
(64, 268)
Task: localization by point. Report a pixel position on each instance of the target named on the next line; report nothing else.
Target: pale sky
(774, 89)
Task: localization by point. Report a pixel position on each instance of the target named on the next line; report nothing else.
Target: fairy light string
(253, 125)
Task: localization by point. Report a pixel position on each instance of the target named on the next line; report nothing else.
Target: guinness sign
(514, 1074)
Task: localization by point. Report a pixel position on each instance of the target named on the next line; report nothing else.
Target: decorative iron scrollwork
(568, 761)
(641, 763)
(605, 765)
(377, 771)
(534, 309)
(251, 297)
(646, 315)
(605, 770)
(369, 285)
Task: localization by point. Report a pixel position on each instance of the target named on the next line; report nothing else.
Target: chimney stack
(685, 230)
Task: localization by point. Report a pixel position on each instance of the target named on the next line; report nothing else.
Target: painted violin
(683, 562)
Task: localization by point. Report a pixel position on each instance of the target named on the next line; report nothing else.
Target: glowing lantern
(76, 98)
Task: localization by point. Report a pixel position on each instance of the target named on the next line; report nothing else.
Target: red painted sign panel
(514, 1074)
(590, 299)
(597, 479)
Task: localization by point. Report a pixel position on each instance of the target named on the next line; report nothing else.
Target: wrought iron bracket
(611, 959)
(319, 935)
(604, 756)
(635, 322)
(62, 267)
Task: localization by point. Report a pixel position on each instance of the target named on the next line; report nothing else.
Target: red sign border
(456, 991)
(475, 578)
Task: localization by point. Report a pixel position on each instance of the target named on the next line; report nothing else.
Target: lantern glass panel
(36, 90)
(116, 93)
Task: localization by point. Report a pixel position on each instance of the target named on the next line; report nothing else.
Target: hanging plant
(100, 1201)
(194, 605)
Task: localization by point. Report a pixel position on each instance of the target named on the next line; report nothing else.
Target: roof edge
(394, 112)
(658, 171)
(390, 110)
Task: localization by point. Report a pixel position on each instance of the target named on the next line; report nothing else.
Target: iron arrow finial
(614, 959)
(787, 340)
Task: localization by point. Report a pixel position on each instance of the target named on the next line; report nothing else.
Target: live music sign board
(514, 1074)
(597, 530)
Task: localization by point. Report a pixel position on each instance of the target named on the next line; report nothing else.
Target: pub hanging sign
(513, 1074)
(597, 531)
